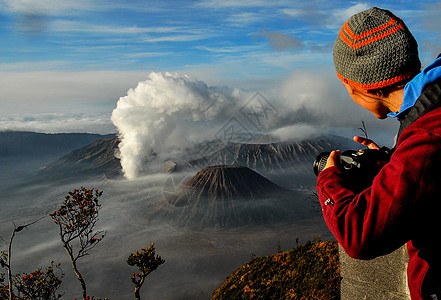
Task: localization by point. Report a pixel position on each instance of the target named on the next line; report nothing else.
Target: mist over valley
(174, 205)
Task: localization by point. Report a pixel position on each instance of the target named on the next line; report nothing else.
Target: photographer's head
(375, 55)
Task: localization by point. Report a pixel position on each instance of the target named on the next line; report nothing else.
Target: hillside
(22, 154)
(96, 159)
(229, 196)
(309, 271)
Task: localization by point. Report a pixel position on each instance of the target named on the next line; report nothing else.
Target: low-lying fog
(197, 261)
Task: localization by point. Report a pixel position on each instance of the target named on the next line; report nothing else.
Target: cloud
(216, 4)
(74, 26)
(310, 15)
(327, 17)
(144, 34)
(20, 68)
(339, 17)
(150, 54)
(177, 38)
(46, 7)
(170, 112)
(431, 19)
(282, 42)
(244, 18)
(292, 60)
(293, 12)
(309, 101)
(295, 132)
(33, 17)
(50, 90)
(232, 49)
(316, 99)
(58, 123)
(54, 101)
(431, 13)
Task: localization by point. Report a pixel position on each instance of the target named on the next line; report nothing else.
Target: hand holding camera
(359, 167)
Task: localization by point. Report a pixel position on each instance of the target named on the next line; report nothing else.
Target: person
(376, 58)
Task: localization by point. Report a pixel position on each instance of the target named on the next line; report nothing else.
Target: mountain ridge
(19, 143)
(95, 159)
(277, 161)
(23, 153)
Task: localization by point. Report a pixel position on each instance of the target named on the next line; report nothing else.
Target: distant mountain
(309, 271)
(228, 196)
(33, 144)
(22, 154)
(97, 159)
(270, 156)
(279, 162)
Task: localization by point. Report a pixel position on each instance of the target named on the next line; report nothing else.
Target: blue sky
(76, 58)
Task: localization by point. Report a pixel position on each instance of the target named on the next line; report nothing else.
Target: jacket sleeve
(382, 217)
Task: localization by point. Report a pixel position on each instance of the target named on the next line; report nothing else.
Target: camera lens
(320, 162)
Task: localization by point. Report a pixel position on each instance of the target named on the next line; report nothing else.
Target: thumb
(332, 159)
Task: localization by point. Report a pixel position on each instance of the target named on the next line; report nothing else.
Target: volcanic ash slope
(229, 196)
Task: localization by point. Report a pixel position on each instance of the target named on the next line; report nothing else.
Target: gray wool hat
(375, 49)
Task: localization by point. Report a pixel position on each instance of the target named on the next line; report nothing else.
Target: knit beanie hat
(375, 49)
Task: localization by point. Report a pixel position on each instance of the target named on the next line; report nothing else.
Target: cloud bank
(169, 112)
(58, 122)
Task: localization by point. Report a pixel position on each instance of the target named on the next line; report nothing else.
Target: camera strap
(429, 99)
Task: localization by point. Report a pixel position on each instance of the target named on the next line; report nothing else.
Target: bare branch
(364, 129)
(7, 256)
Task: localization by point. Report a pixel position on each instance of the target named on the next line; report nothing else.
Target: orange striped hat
(375, 49)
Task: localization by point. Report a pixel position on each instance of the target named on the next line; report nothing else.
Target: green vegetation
(39, 284)
(309, 271)
(76, 219)
(36, 285)
(146, 261)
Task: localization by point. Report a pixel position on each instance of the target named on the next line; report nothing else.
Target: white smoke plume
(169, 112)
(165, 113)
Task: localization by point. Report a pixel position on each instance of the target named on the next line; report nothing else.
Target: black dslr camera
(359, 167)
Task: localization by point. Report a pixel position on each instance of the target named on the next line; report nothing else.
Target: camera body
(359, 167)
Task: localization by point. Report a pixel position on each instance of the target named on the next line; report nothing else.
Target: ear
(350, 88)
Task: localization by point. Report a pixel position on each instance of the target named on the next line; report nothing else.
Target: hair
(387, 90)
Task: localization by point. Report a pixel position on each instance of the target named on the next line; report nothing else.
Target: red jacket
(403, 205)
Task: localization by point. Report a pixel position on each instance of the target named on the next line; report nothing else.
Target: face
(375, 104)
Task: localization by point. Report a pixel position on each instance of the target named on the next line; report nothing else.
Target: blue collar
(415, 87)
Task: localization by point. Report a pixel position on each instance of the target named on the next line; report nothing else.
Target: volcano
(229, 196)
(228, 182)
